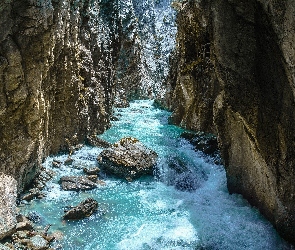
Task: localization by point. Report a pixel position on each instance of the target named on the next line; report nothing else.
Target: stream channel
(153, 212)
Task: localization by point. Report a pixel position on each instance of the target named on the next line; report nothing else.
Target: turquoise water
(151, 213)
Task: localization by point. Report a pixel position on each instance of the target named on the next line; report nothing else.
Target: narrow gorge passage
(79, 74)
(154, 212)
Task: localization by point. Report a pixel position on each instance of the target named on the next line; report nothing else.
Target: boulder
(37, 242)
(76, 183)
(91, 171)
(8, 189)
(128, 158)
(84, 209)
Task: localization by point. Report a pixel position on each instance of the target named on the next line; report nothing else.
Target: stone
(68, 161)
(92, 177)
(8, 188)
(85, 209)
(56, 164)
(76, 183)
(91, 171)
(24, 225)
(37, 242)
(128, 158)
(207, 143)
(34, 217)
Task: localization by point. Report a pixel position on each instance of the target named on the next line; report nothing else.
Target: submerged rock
(181, 174)
(37, 242)
(76, 183)
(84, 209)
(8, 187)
(128, 158)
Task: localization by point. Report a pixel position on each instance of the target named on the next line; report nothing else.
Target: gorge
(65, 65)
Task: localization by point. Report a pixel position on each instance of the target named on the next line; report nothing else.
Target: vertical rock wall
(243, 90)
(56, 72)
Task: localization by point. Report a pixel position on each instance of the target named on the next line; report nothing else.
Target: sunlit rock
(8, 220)
(84, 209)
(128, 158)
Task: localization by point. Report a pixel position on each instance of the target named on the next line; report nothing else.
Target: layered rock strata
(233, 74)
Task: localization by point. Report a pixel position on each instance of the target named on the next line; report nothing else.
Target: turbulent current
(153, 212)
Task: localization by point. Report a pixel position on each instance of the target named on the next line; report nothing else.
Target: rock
(91, 171)
(24, 225)
(8, 188)
(207, 143)
(230, 77)
(84, 209)
(128, 158)
(37, 242)
(68, 161)
(76, 183)
(92, 177)
(95, 141)
(182, 175)
(56, 164)
(34, 217)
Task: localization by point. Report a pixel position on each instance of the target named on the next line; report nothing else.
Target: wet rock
(182, 175)
(34, 216)
(56, 163)
(95, 141)
(76, 183)
(68, 161)
(84, 209)
(92, 177)
(91, 171)
(24, 225)
(37, 242)
(207, 143)
(128, 158)
(8, 187)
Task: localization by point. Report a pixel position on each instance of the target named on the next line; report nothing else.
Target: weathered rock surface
(7, 205)
(84, 209)
(76, 183)
(233, 74)
(128, 158)
(91, 171)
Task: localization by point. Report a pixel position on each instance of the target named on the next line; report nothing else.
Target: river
(152, 213)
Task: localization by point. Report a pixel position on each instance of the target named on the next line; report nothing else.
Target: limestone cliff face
(246, 91)
(56, 68)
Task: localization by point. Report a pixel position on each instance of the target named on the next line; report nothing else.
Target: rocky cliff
(65, 64)
(233, 74)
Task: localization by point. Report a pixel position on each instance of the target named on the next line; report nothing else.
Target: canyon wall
(64, 65)
(56, 73)
(233, 74)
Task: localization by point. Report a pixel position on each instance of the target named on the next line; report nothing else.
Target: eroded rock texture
(233, 74)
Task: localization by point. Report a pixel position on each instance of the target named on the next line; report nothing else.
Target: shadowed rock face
(245, 94)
